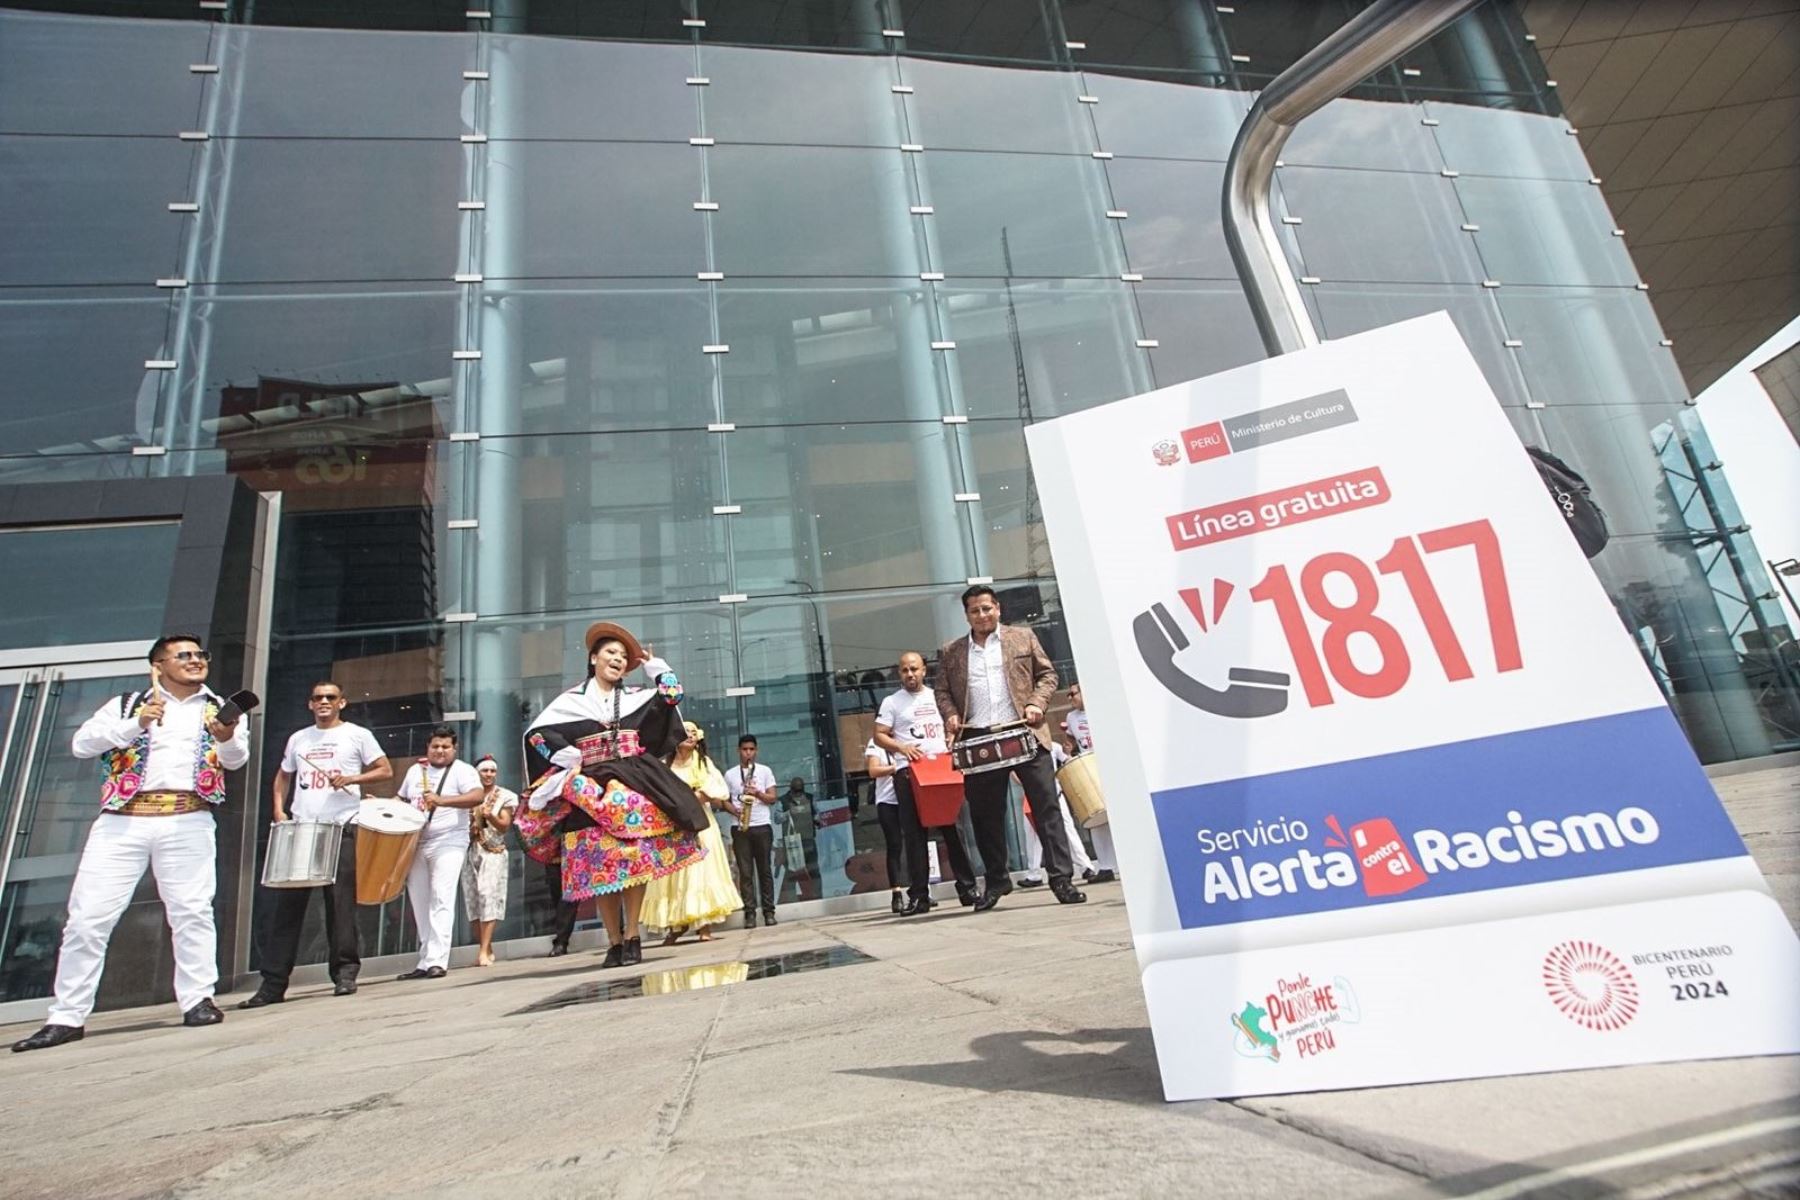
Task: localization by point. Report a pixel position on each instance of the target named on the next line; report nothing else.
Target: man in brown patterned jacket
(999, 675)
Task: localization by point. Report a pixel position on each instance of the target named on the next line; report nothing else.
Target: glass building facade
(724, 320)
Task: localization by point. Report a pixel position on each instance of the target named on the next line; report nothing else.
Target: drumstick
(156, 686)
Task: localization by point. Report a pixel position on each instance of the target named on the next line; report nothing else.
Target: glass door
(48, 799)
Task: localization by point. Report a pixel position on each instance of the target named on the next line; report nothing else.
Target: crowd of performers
(620, 807)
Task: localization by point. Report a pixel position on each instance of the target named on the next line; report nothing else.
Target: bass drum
(1079, 780)
(387, 837)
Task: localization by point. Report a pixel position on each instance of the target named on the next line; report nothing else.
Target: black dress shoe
(1065, 892)
(749, 919)
(923, 904)
(260, 998)
(435, 972)
(967, 897)
(1087, 876)
(634, 952)
(558, 951)
(1029, 882)
(50, 1035)
(615, 955)
(203, 1013)
(1103, 877)
(345, 987)
(415, 973)
(768, 916)
(897, 902)
(988, 900)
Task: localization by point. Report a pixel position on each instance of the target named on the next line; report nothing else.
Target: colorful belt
(163, 804)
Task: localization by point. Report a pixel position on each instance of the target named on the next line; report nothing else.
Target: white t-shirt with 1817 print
(313, 756)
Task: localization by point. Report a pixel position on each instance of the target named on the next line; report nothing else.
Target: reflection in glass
(810, 210)
(774, 96)
(961, 106)
(1369, 226)
(133, 75)
(1545, 231)
(1170, 231)
(1591, 346)
(50, 186)
(73, 360)
(598, 209)
(1347, 308)
(1198, 329)
(1492, 141)
(1375, 134)
(331, 83)
(558, 88)
(1038, 349)
(1020, 215)
(1162, 119)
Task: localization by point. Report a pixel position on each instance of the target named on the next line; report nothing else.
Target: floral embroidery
(633, 841)
(668, 687)
(124, 766)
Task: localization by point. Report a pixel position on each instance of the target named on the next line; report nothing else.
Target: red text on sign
(1273, 510)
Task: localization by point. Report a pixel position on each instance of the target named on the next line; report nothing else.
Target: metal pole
(1369, 41)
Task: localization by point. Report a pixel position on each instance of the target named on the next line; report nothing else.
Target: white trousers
(1034, 849)
(431, 890)
(179, 852)
(1104, 859)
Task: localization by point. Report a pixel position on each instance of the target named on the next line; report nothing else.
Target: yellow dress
(702, 893)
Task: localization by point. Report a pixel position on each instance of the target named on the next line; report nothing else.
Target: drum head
(389, 816)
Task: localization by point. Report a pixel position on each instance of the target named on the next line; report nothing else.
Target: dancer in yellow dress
(696, 896)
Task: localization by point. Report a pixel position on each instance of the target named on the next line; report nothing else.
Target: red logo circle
(1590, 985)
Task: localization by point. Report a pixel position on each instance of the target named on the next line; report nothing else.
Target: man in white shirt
(880, 766)
(1081, 741)
(910, 727)
(446, 788)
(752, 788)
(165, 753)
(999, 676)
(323, 769)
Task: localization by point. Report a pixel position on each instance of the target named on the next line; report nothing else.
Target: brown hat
(601, 631)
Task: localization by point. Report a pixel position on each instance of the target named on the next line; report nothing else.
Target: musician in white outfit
(1034, 849)
(164, 753)
(445, 787)
(1081, 740)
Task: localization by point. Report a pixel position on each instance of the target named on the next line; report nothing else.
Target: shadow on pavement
(1019, 1062)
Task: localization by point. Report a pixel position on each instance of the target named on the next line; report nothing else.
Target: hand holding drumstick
(152, 712)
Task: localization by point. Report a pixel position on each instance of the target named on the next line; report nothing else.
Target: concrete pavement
(1006, 1054)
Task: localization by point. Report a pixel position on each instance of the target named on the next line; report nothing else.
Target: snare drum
(302, 854)
(994, 750)
(1079, 780)
(387, 837)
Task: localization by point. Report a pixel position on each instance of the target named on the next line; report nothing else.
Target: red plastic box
(937, 790)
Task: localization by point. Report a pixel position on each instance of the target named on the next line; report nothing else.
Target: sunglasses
(323, 699)
(189, 656)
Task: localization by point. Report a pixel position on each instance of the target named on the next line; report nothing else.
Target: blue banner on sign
(1616, 793)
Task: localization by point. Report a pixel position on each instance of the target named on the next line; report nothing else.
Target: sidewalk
(1004, 1054)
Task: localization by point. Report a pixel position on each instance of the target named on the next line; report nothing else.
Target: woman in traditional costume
(601, 794)
(696, 898)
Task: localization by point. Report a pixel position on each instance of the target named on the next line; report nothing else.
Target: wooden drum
(387, 837)
(1079, 780)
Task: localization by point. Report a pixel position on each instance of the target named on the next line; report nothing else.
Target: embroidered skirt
(630, 842)
(700, 895)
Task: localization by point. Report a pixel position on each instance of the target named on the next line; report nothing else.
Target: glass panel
(1074, 346)
(965, 107)
(1048, 212)
(63, 792)
(1173, 228)
(1379, 226)
(845, 507)
(555, 88)
(1346, 308)
(828, 350)
(618, 357)
(1493, 141)
(361, 14)
(72, 468)
(1006, 31)
(1275, 36)
(571, 201)
(1591, 346)
(114, 191)
(1614, 447)
(47, 597)
(780, 96)
(1147, 36)
(290, 216)
(132, 76)
(73, 361)
(1538, 231)
(601, 520)
(1011, 515)
(1198, 329)
(1159, 119)
(1364, 133)
(776, 23)
(806, 210)
(326, 83)
(328, 358)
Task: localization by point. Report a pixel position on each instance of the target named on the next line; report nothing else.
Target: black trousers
(563, 927)
(986, 794)
(754, 848)
(918, 861)
(893, 838)
(287, 917)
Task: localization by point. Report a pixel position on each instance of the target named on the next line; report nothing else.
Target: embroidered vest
(124, 766)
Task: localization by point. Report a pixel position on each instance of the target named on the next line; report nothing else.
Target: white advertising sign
(1384, 768)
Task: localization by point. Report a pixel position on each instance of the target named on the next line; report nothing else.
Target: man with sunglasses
(165, 754)
(323, 769)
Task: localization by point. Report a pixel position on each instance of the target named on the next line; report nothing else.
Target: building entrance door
(48, 800)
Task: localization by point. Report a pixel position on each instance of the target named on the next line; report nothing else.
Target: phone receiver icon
(1252, 693)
